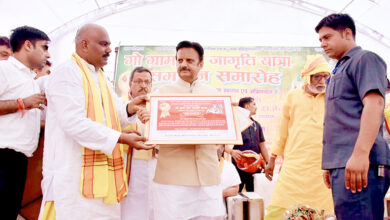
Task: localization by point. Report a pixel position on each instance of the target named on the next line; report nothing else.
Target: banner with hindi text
(264, 73)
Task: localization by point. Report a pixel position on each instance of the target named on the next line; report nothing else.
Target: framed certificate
(192, 119)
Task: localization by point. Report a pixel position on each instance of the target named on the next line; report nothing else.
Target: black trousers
(247, 179)
(13, 171)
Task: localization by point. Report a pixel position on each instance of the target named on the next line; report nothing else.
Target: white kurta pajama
(67, 130)
(138, 204)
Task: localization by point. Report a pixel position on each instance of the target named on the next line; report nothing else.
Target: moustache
(143, 89)
(184, 68)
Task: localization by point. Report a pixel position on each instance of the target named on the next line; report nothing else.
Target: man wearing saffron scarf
(83, 164)
(299, 141)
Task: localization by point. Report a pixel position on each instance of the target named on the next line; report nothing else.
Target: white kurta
(138, 204)
(67, 130)
(173, 202)
(229, 177)
(42, 82)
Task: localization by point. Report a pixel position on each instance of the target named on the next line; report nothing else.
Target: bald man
(83, 171)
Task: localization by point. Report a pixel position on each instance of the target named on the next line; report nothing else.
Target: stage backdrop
(264, 73)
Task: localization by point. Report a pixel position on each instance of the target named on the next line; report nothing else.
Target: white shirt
(67, 130)
(42, 82)
(17, 133)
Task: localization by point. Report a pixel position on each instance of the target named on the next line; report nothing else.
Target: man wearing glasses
(299, 141)
(141, 164)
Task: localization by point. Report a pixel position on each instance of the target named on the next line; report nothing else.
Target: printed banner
(191, 114)
(192, 119)
(264, 73)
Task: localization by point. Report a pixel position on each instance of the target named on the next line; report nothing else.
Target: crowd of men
(96, 164)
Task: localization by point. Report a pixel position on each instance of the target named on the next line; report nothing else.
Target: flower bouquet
(306, 213)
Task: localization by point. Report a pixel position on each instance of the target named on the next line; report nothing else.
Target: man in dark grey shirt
(355, 155)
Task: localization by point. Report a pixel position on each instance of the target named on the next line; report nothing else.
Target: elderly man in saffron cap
(299, 141)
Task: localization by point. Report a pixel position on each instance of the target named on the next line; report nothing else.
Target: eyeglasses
(139, 82)
(319, 77)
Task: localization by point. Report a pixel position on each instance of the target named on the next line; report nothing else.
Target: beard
(316, 89)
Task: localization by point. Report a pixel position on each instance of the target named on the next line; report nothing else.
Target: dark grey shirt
(358, 73)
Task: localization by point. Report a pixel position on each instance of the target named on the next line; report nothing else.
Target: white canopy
(210, 22)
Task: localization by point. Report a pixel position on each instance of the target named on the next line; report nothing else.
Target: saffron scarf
(129, 152)
(314, 64)
(102, 176)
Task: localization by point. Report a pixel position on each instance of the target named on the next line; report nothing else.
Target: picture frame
(192, 119)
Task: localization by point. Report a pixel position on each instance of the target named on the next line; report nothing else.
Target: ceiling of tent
(210, 22)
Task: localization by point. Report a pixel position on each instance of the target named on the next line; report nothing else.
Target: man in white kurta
(137, 204)
(68, 129)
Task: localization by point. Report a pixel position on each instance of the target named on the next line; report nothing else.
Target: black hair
(189, 44)
(4, 41)
(338, 22)
(139, 69)
(244, 101)
(21, 34)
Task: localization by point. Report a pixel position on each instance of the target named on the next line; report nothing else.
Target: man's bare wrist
(128, 112)
(360, 151)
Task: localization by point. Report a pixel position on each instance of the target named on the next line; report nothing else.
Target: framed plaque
(192, 119)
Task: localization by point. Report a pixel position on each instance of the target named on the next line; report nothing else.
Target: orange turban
(314, 64)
